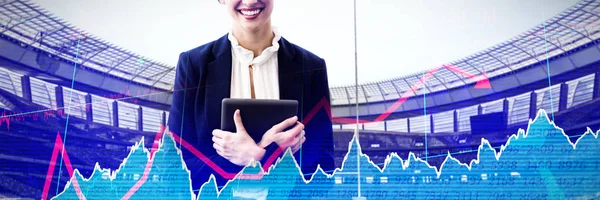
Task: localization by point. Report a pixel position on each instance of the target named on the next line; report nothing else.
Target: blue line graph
(425, 118)
(67, 119)
(548, 72)
(508, 173)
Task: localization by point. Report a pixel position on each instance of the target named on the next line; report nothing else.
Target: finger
(237, 119)
(222, 154)
(218, 147)
(302, 133)
(296, 145)
(284, 124)
(299, 145)
(300, 141)
(294, 131)
(290, 135)
(296, 141)
(217, 140)
(291, 142)
(219, 133)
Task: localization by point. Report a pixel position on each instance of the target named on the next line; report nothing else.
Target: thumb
(237, 119)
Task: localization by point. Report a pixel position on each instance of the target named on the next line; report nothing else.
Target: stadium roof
(572, 28)
(24, 21)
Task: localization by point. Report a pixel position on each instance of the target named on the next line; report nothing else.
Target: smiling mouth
(251, 12)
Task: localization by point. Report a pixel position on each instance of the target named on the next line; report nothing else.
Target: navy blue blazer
(203, 79)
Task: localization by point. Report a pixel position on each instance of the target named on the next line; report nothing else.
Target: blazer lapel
(218, 78)
(218, 81)
(291, 76)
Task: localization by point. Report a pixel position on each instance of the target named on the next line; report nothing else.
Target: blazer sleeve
(181, 115)
(186, 83)
(269, 150)
(318, 148)
(183, 122)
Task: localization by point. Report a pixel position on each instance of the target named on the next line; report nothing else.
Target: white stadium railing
(102, 110)
(43, 93)
(579, 91)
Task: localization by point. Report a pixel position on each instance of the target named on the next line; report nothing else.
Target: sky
(395, 37)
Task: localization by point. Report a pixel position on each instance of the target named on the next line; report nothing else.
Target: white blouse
(264, 70)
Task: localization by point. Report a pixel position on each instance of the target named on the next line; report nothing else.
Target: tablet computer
(258, 115)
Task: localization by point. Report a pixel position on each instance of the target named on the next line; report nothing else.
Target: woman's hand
(293, 138)
(239, 148)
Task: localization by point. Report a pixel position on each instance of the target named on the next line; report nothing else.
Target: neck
(255, 40)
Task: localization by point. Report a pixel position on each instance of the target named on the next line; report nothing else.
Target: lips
(250, 13)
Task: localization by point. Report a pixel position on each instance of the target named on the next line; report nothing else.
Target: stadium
(117, 97)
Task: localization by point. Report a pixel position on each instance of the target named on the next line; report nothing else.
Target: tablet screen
(258, 115)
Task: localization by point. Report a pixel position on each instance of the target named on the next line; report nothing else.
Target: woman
(251, 61)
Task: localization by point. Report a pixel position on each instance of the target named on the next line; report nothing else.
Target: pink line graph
(482, 82)
(142, 180)
(60, 111)
(4, 118)
(58, 145)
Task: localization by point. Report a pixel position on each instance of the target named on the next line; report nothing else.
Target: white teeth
(250, 12)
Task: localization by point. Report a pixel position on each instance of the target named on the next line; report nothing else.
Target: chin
(253, 26)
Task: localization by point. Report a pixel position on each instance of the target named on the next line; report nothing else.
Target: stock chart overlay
(82, 118)
(538, 163)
